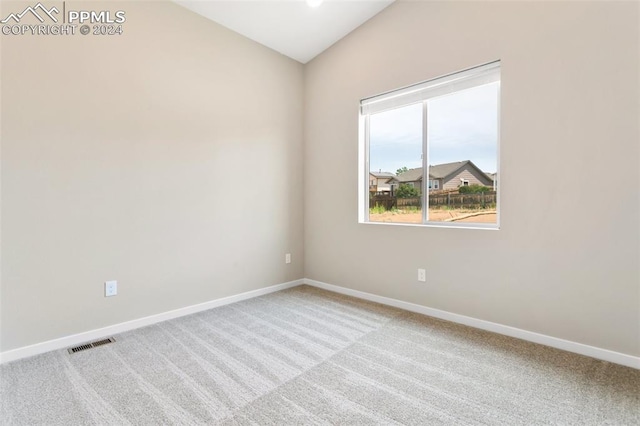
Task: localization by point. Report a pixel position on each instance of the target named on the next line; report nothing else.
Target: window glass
(447, 128)
(395, 146)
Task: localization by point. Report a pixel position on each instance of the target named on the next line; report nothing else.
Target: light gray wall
(565, 261)
(168, 158)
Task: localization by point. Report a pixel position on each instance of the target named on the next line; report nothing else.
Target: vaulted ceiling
(291, 27)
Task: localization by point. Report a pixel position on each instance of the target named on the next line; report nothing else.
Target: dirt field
(435, 215)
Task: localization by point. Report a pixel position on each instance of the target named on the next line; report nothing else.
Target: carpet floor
(307, 356)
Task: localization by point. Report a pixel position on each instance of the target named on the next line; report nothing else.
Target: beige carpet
(307, 356)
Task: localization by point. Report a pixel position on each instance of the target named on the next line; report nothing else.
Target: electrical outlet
(110, 288)
(422, 275)
(287, 258)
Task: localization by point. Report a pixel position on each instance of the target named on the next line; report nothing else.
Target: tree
(406, 191)
(401, 170)
(473, 189)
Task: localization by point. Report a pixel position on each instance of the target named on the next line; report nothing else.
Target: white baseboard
(75, 339)
(554, 342)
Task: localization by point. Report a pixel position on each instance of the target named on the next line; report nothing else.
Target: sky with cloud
(461, 126)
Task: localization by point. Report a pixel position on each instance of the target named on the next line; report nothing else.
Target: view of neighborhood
(457, 192)
(455, 133)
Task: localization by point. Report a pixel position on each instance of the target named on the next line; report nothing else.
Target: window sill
(449, 225)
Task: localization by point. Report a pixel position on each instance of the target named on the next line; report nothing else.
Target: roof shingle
(383, 174)
(439, 171)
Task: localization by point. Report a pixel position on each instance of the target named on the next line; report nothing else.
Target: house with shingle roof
(379, 182)
(445, 176)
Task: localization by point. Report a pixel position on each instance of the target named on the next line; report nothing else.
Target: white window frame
(421, 93)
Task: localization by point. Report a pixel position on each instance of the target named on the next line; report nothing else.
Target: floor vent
(91, 345)
(103, 342)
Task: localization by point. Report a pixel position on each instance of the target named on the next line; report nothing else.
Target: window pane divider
(367, 194)
(425, 163)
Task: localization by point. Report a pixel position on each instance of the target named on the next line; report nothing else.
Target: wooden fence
(466, 201)
(385, 201)
(409, 202)
(450, 199)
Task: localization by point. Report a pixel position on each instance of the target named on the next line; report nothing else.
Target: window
(440, 134)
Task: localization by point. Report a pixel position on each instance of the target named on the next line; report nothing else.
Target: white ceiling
(290, 27)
